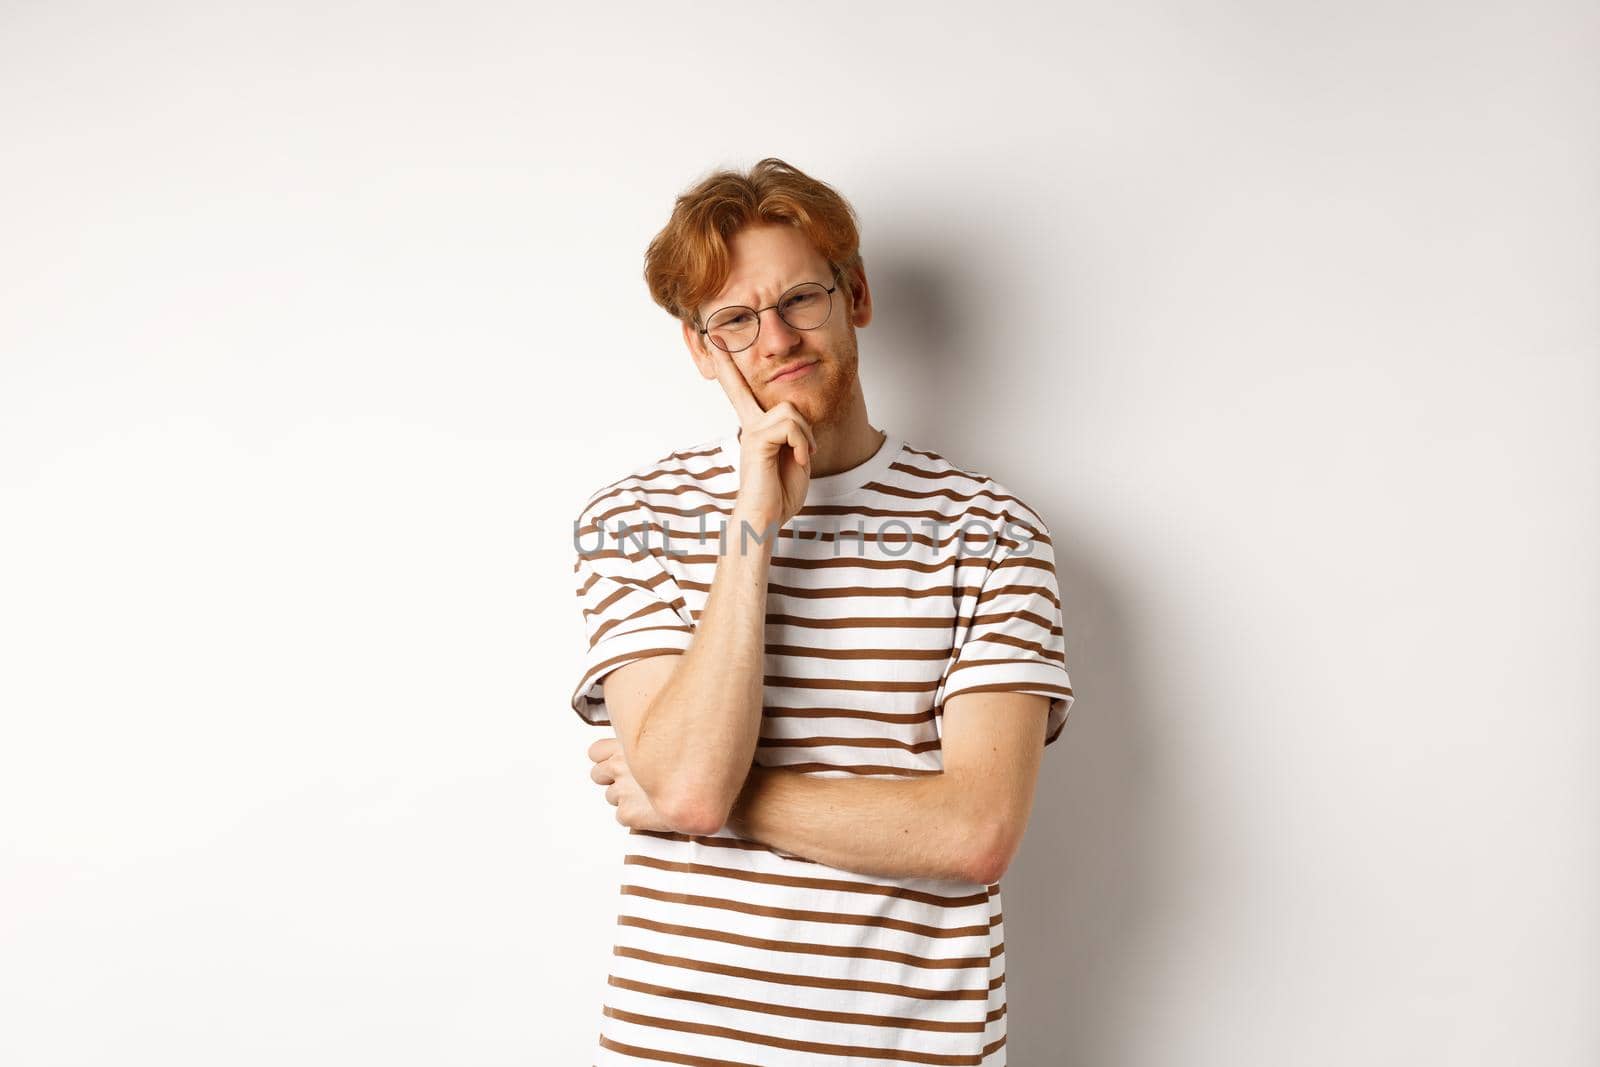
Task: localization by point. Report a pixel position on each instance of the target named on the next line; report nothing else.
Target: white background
(317, 327)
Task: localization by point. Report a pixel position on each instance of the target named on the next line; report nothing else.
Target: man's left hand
(623, 792)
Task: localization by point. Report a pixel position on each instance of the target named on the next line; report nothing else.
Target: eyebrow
(715, 305)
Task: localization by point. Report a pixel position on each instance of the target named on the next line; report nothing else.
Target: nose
(777, 338)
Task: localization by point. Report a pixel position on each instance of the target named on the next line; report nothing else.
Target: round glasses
(805, 307)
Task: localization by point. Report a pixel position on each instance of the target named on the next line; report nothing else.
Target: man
(831, 660)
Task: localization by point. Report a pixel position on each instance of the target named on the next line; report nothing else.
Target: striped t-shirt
(728, 951)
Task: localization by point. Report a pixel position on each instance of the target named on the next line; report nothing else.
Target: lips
(794, 370)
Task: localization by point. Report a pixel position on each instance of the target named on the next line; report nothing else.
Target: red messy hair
(687, 262)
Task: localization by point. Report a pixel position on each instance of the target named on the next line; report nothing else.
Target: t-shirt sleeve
(632, 606)
(1016, 642)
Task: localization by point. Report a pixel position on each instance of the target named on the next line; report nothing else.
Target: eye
(800, 300)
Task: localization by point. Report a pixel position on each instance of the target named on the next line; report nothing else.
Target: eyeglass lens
(805, 307)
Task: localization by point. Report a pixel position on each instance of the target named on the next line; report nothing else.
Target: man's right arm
(688, 724)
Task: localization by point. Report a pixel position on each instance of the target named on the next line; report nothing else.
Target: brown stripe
(867, 685)
(628, 586)
(1016, 687)
(912, 717)
(803, 915)
(808, 948)
(671, 608)
(789, 1011)
(644, 547)
(1017, 642)
(1036, 532)
(914, 747)
(853, 985)
(808, 768)
(855, 622)
(1019, 590)
(1028, 616)
(940, 592)
(644, 653)
(834, 884)
(942, 493)
(1053, 661)
(741, 843)
(807, 652)
(868, 1051)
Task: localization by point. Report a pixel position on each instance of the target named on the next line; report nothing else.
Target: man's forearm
(896, 828)
(697, 740)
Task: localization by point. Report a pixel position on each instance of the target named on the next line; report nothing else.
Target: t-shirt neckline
(829, 486)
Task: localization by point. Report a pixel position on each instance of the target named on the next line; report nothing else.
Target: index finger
(733, 383)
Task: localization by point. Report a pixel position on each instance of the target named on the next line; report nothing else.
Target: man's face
(767, 261)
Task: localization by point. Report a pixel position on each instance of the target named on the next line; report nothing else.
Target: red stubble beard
(822, 395)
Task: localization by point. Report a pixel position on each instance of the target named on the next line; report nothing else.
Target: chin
(817, 396)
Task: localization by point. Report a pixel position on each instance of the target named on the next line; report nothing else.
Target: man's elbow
(681, 796)
(991, 852)
(695, 811)
(693, 798)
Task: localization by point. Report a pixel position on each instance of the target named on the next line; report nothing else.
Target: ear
(694, 341)
(860, 295)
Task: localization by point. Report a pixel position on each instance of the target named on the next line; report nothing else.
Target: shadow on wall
(911, 352)
(1085, 894)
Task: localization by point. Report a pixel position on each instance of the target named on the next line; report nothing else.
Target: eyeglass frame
(705, 331)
